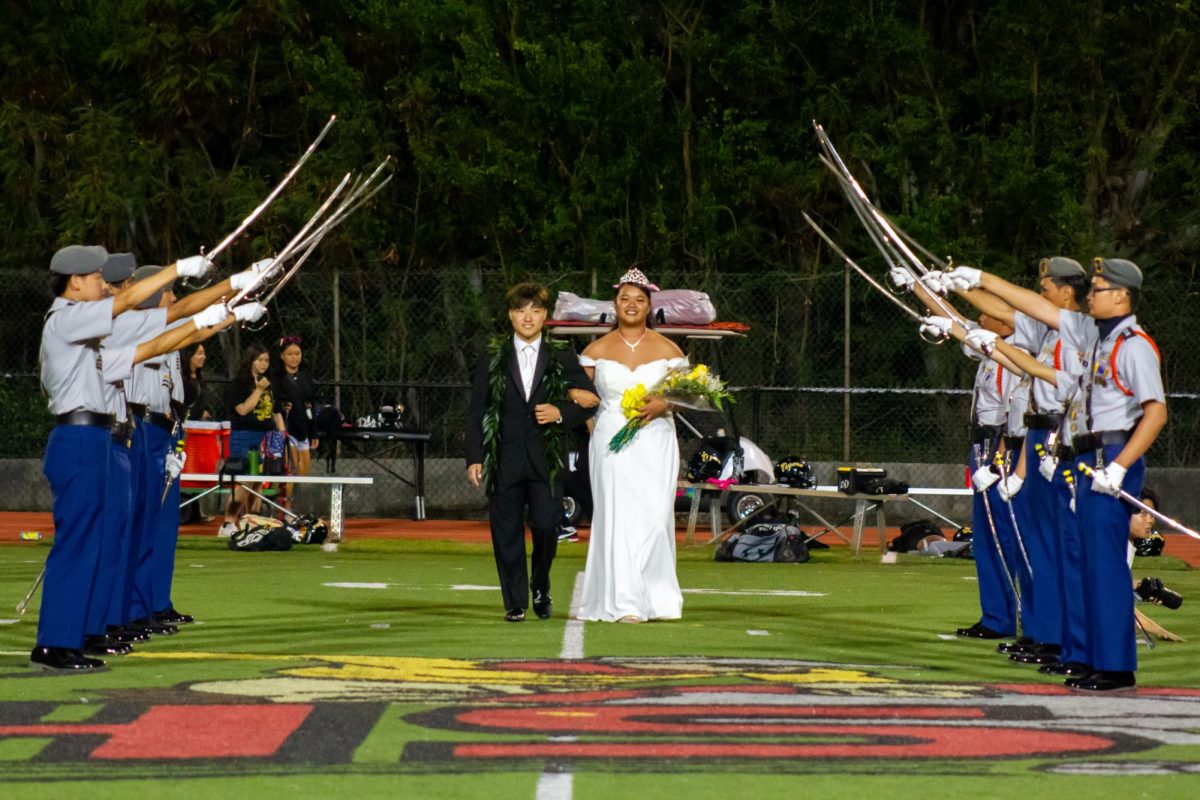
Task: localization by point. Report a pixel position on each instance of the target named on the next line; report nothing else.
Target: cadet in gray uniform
(78, 451)
(1117, 409)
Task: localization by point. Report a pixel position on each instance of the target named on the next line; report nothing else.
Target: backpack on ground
(766, 541)
(261, 538)
(308, 529)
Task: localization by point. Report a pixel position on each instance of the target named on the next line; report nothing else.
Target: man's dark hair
(1135, 297)
(1079, 287)
(527, 293)
(58, 283)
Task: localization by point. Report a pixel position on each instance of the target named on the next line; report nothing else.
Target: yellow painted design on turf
(818, 675)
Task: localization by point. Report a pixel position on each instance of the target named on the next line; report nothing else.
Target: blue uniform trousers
(997, 601)
(1041, 501)
(117, 506)
(157, 441)
(162, 569)
(76, 465)
(1070, 572)
(1103, 523)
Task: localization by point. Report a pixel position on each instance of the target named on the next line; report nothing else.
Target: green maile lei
(499, 349)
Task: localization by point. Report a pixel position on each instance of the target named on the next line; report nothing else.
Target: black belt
(1042, 422)
(1096, 441)
(985, 433)
(84, 418)
(158, 419)
(138, 409)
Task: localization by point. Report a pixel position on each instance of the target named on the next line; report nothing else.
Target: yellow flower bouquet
(694, 387)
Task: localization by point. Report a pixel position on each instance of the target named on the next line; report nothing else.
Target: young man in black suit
(517, 424)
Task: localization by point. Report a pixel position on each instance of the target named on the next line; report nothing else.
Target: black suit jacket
(521, 437)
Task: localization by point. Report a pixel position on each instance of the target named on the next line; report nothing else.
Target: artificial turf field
(386, 670)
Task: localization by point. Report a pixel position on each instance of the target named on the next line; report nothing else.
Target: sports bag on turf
(261, 538)
(766, 541)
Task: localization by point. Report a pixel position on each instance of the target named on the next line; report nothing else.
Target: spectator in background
(251, 407)
(294, 397)
(193, 382)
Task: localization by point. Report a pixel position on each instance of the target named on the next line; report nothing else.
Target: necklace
(635, 344)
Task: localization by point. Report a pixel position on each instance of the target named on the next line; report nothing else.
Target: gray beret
(1060, 267)
(1119, 272)
(78, 259)
(145, 272)
(119, 267)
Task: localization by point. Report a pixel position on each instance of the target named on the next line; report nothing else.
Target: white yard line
(561, 785)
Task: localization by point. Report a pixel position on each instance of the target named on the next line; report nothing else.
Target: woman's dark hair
(248, 358)
(186, 361)
(649, 301)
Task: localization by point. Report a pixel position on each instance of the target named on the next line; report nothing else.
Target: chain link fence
(830, 371)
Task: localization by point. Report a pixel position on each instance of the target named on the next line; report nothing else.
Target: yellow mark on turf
(818, 675)
(566, 714)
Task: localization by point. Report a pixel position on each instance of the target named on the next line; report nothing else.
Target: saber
(1012, 516)
(883, 240)
(291, 246)
(178, 449)
(879, 228)
(352, 203)
(1133, 501)
(24, 604)
(346, 208)
(882, 290)
(987, 508)
(253, 215)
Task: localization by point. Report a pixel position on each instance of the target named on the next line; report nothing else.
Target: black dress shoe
(149, 625)
(105, 646)
(1038, 654)
(542, 604)
(62, 659)
(1020, 645)
(127, 634)
(1101, 681)
(979, 631)
(172, 617)
(515, 615)
(1072, 669)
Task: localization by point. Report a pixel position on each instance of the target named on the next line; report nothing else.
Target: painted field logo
(669, 714)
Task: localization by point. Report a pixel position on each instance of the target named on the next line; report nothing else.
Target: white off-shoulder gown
(631, 553)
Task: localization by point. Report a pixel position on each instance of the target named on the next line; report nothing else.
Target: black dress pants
(529, 497)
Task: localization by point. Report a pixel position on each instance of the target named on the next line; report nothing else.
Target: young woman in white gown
(630, 574)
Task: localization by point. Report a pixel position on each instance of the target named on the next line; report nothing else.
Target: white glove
(901, 278)
(249, 312)
(211, 316)
(960, 279)
(1108, 480)
(193, 267)
(1047, 466)
(1010, 486)
(265, 265)
(972, 353)
(983, 478)
(174, 464)
(935, 282)
(240, 280)
(936, 326)
(981, 340)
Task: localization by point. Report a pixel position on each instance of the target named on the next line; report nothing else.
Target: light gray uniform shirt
(70, 355)
(1109, 394)
(118, 350)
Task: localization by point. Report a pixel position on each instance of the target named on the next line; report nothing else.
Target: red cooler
(206, 444)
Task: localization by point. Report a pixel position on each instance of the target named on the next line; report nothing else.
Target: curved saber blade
(850, 263)
(345, 210)
(292, 245)
(253, 215)
(1012, 517)
(1133, 501)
